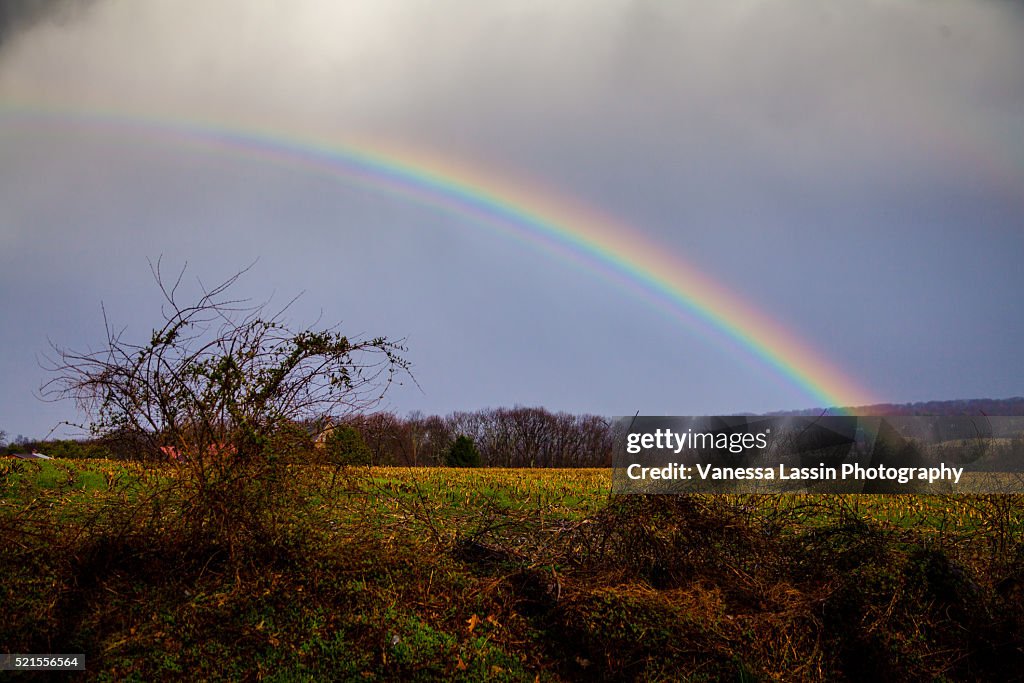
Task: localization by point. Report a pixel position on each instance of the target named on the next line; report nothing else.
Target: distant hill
(973, 406)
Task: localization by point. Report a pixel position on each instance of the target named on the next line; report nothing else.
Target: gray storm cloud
(848, 166)
(619, 97)
(461, 72)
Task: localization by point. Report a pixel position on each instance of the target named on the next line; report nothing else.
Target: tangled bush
(218, 390)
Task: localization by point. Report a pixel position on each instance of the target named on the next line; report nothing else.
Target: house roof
(32, 456)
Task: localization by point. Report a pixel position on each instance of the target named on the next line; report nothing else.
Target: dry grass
(394, 574)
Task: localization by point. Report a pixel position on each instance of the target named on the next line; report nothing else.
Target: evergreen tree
(463, 453)
(345, 446)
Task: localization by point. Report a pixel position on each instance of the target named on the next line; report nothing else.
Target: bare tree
(380, 432)
(219, 389)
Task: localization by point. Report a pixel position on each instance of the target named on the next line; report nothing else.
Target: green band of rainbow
(571, 230)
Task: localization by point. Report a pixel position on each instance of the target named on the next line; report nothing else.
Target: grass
(517, 575)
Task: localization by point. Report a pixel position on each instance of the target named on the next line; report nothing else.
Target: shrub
(219, 385)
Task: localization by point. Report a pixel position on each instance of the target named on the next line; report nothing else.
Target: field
(520, 575)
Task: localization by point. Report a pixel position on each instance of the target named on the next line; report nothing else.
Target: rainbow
(575, 232)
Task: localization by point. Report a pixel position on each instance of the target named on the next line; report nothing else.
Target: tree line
(503, 437)
(493, 437)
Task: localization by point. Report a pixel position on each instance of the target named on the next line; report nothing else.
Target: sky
(853, 172)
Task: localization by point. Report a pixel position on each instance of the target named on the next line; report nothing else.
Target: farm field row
(569, 493)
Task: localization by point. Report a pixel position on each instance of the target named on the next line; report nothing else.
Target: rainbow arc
(573, 231)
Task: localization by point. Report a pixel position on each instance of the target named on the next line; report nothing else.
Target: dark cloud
(848, 167)
(20, 15)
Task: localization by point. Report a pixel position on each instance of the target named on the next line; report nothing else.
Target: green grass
(454, 574)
